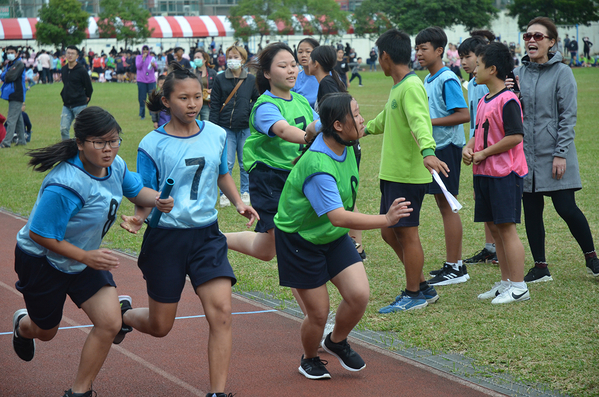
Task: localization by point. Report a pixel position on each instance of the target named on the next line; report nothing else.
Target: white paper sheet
(453, 202)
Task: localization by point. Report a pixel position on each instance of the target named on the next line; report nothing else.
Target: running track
(266, 352)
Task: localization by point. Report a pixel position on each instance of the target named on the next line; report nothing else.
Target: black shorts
(168, 255)
(452, 156)
(413, 193)
(266, 185)
(498, 199)
(306, 266)
(45, 288)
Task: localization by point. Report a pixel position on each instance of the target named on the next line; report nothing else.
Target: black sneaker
(89, 393)
(219, 395)
(593, 266)
(537, 275)
(125, 302)
(435, 272)
(314, 368)
(449, 275)
(484, 256)
(362, 255)
(24, 347)
(349, 359)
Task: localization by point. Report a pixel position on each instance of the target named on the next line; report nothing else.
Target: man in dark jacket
(77, 90)
(13, 90)
(573, 47)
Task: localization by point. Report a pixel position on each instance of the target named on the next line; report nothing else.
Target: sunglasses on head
(537, 36)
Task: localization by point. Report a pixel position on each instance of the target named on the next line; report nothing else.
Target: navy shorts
(45, 288)
(306, 266)
(413, 193)
(266, 185)
(168, 255)
(498, 199)
(452, 156)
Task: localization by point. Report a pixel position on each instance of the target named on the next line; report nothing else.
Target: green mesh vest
(296, 215)
(276, 152)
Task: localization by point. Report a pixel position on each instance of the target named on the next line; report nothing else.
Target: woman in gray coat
(548, 97)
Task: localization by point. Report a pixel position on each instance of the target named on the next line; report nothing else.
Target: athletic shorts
(306, 266)
(45, 288)
(452, 156)
(413, 193)
(266, 185)
(168, 255)
(498, 199)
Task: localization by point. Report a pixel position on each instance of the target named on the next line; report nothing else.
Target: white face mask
(11, 57)
(234, 64)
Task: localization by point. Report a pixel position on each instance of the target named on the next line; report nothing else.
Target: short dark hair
(477, 37)
(397, 45)
(434, 35)
(178, 48)
(12, 47)
(497, 54)
(72, 47)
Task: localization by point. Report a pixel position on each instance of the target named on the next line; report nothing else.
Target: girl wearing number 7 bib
(58, 251)
(187, 241)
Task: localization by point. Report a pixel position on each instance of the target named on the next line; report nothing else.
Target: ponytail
(46, 158)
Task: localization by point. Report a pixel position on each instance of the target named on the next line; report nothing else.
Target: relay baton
(166, 191)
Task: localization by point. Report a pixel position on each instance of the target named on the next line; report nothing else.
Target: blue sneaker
(430, 294)
(404, 302)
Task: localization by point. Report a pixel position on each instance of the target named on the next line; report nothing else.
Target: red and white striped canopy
(168, 27)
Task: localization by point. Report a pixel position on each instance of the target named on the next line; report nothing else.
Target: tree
(414, 15)
(267, 14)
(62, 23)
(125, 20)
(563, 12)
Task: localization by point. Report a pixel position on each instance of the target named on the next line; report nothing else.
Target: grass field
(552, 339)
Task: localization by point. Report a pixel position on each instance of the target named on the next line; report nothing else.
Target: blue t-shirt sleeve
(54, 210)
(453, 95)
(266, 115)
(132, 183)
(223, 168)
(147, 169)
(322, 192)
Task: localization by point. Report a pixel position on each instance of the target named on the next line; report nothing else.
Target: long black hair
(91, 122)
(176, 72)
(335, 106)
(264, 63)
(326, 56)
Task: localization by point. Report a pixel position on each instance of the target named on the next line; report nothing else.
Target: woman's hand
(559, 168)
(101, 259)
(165, 205)
(249, 212)
(132, 224)
(399, 209)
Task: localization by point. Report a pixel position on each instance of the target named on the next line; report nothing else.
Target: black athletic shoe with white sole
(314, 368)
(349, 359)
(125, 302)
(537, 275)
(24, 347)
(448, 275)
(593, 266)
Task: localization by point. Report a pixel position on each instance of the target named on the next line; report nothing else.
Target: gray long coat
(548, 96)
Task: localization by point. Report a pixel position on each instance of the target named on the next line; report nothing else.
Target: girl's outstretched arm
(227, 185)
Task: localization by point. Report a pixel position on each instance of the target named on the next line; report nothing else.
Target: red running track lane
(266, 352)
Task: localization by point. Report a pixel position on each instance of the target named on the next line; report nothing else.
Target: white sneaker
(224, 201)
(330, 325)
(493, 292)
(245, 197)
(512, 294)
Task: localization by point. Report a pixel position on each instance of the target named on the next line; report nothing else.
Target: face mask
(234, 64)
(199, 62)
(10, 57)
